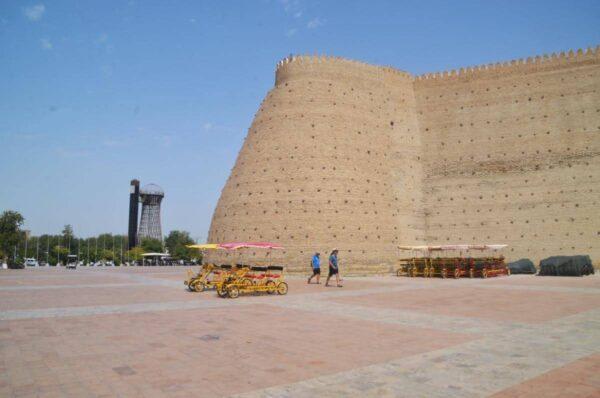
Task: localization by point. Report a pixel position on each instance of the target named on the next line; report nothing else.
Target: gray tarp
(522, 266)
(566, 266)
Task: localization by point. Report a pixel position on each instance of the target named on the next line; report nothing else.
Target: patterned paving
(138, 332)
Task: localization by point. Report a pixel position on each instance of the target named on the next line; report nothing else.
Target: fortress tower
(365, 158)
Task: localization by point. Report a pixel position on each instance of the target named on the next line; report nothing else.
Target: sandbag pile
(566, 266)
(522, 266)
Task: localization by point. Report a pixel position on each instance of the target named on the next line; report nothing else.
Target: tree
(10, 233)
(61, 253)
(177, 242)
(135, 254)
(107, 255)
(67, 232)
(152, 245)
(68, 237)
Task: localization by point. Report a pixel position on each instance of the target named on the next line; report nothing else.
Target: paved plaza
(136, 332)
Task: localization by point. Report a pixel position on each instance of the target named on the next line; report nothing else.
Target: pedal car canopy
(205, 246)
(243, 245)
(452, 247)
(236, 245)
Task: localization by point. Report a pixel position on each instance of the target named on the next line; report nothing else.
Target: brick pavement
(137, 332)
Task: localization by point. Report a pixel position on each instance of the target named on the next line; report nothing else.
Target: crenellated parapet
(298, 65)
(521, 65)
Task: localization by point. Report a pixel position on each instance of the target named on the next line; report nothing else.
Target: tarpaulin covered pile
(522, 266)
(566, 266)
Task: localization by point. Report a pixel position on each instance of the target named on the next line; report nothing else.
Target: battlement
(308, 63)
(521, 65)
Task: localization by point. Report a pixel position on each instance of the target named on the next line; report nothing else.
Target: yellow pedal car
(207, 278)
(234, 276)
(268, 280)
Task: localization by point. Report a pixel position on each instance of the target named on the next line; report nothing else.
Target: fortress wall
(331, 160)
(365, 158)
(511, 155)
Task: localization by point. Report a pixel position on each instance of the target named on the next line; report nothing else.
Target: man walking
(316, 268)
(333, 268)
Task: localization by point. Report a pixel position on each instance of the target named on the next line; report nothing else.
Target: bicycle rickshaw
(253, 279)
(452, 265)
(209, 275)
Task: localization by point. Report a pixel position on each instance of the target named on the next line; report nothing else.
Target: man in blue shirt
(333, 268)
(316, 267)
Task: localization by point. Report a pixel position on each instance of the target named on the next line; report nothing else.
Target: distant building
(151, 197)
(134, 199)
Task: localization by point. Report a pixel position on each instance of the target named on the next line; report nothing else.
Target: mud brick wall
(366, 158)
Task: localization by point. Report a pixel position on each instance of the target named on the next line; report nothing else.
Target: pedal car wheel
(199, 287)
(282, 288)
(221, 292)
(271, 287)
(246, 282)
(190, 287)
(233, 291)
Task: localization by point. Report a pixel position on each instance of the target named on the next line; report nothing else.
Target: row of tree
(16, 245)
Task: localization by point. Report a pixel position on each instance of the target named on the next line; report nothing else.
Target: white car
(31, 262)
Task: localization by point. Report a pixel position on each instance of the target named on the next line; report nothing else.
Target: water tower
(150, 195)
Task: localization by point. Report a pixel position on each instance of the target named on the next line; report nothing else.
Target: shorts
(316, 271)
(333, 271)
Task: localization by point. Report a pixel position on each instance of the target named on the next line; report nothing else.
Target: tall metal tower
(134, 199)
(150, 195)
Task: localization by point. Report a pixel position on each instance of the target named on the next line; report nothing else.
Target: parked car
(31, 262)
(72, 261)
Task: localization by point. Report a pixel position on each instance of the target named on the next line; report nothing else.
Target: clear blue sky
(95, 93)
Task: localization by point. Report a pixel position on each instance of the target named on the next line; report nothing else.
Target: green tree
(10, 233)
(67, 231)
(152, 245)
(135, 254)
(177, 242)
(60, 253)
(68, 238)
(107, 255)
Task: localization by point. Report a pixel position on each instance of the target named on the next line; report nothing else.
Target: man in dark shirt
(316, 267)
(333, 268)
